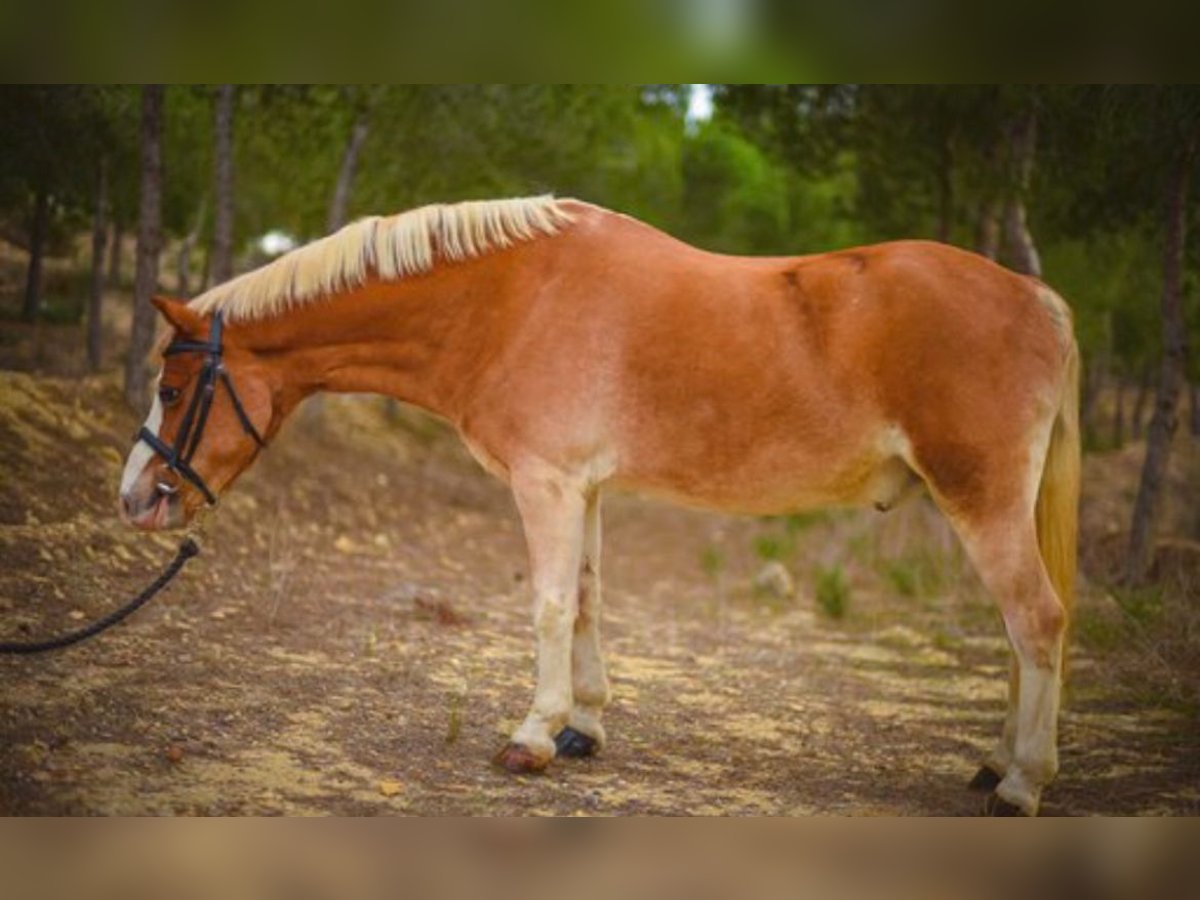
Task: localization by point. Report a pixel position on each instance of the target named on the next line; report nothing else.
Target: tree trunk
(311, 413)
(987, 233)
(1022, 141)
(1164, 422)
(95, 332)
(114, 255)
(1023, 253)
(945, 224)
(1095, 374)
(37, 249)
(1194, 390)
(222, 243)
(183, 264)
(183, 268)
(987, 226)
(206, 268)
(1118, 435)
(149, 242)
(340, 201)
(1138, 419)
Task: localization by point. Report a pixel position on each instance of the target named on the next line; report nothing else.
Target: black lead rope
(187, 550)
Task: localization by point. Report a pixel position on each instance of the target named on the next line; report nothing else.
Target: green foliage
(63, 297)
(904, 578)
(1100, 629)
(54, 140)
(289, 141)
(712, 561)
(771, 547)
(779, 541)
(735, 198)
(795, 523)
(1112, 281)
(1143, 605)
(916, 575)
(780, 169)
(187, 156)
(832, 590)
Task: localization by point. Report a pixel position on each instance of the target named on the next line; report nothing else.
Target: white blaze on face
(141, 454)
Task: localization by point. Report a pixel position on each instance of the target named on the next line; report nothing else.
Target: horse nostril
(166, 488)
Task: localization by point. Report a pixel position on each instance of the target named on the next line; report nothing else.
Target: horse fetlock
(586, 721)
(1018, 790)
(592, 694)
(538, 730)
(1000, 759)
(1040, 771)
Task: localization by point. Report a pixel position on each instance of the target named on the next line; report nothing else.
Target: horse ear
(177, 313)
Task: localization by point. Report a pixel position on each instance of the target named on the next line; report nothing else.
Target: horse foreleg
(552, 513)
(584, 734)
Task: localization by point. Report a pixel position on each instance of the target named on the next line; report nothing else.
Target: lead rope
(189, 547)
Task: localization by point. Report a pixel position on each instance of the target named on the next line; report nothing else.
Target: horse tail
(1057, 510)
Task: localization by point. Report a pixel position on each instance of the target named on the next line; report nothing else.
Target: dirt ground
(355, 639)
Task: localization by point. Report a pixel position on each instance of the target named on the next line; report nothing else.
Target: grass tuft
(832, 591)
(712, 561)
(771, 547)
(916, 575)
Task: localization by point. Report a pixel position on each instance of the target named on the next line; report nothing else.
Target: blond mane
(388, 247)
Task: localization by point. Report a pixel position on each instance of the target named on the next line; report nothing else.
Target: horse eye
(168, 395)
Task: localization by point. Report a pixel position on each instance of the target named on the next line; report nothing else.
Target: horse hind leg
(992, 772)
(1005, 552)
(584, 734)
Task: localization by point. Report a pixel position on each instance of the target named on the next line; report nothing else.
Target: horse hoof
(985, 781)
(519, 760)
(574, 744)
(997, 806)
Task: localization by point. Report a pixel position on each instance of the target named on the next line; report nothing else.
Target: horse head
(214, 404)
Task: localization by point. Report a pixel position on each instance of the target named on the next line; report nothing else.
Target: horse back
(763, 384)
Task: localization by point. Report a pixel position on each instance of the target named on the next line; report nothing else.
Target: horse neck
(416, 339)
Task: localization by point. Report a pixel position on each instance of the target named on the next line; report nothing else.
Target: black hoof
(995, 805)
(574, 744)
(985, 780)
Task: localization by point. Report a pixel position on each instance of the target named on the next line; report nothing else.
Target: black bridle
(178, 456)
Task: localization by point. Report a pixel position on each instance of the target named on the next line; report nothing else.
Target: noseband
(178, 456)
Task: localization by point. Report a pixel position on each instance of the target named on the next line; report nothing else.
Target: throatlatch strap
(207, 390)
(239, 409)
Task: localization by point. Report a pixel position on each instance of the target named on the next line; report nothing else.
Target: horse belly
(776, 475)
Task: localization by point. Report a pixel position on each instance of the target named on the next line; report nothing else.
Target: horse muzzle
(153, 507)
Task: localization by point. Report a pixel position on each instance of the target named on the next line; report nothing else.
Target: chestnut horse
(576, 349)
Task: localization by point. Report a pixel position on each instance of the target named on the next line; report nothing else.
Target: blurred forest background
(110, 193)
